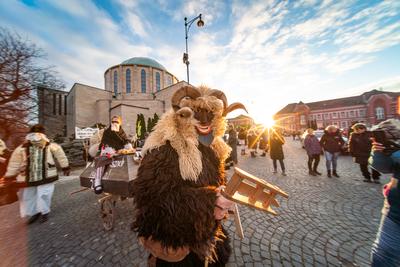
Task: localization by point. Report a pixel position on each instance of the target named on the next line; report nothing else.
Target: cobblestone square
(325, 222)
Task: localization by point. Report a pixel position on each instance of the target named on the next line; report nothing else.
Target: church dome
(145, 61)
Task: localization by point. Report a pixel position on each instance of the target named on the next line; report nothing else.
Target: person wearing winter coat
(360, 149)
(232, 142)
(34, 163)
(332, 143)
(263, 143)
(276, 141)
(4, 157)
(313, 148)
(252, 142)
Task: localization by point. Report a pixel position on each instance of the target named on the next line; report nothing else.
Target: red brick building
(371, 108)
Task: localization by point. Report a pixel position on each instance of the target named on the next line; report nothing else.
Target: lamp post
(200, 23)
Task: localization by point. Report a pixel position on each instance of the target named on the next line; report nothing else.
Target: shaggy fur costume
(174, 192)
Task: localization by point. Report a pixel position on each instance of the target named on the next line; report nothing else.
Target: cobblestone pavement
(325, 222)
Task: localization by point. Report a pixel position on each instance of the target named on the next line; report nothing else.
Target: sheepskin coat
(174, 192)
(19, 165)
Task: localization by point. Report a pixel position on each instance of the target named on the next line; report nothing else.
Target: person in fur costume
(178, 206)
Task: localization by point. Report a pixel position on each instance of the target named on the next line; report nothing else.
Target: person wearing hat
(4, 156)
(360, 149)
(113, 141)
(33, 163)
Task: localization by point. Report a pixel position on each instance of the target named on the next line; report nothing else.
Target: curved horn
(233, 107)
(189, 91)
(220, 95)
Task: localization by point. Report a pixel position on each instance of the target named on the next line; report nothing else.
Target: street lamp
(200, 23)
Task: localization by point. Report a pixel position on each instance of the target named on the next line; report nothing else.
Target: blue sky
(263, 53)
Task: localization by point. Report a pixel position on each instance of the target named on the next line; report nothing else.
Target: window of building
(54, 104)
(344, 124)
(380, 113)
(362, 112)
(351, 114)
(115, 82)
(342, 114)
(128, 80)
(326, 115)
(319, 116)
(59, 104)
(302, 119)
(143, 80)
(158, 85)
(334, 115)
(65, 105)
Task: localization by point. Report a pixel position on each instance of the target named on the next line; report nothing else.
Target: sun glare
(268, 122)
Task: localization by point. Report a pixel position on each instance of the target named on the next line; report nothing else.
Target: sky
(264, 54)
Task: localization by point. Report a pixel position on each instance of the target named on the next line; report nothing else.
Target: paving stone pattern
(325, 222)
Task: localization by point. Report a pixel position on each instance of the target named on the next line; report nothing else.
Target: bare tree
(21, 71)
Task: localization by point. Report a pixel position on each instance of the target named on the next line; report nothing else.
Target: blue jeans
(386, 249)
(331, 160)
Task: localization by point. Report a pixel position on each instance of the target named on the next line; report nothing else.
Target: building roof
(145, 61)
(337, 103)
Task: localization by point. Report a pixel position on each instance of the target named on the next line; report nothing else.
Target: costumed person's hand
(377, 146)
(66, 171)
(222, 205)
(166, 254)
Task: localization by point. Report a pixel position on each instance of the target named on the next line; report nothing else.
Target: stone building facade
(370, 108)
(52, 110)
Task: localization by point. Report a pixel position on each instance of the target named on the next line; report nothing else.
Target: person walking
(276, 141)
(360, 149)
(313, 148)
(33, 163)
(332, 143)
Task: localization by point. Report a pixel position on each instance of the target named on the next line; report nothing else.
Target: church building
(138, 85)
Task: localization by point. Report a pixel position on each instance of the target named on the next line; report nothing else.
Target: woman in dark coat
(263, 144)
(232, 142)
(360, 149)
(276, 141)
(313, 148)
(252, 142)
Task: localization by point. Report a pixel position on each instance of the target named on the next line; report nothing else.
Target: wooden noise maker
(244, 188)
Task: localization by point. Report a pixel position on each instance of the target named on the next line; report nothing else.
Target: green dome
(145, 61)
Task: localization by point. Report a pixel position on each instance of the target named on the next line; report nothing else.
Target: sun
(268, 122)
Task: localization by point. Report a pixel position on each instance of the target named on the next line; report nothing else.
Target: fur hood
(179, 129)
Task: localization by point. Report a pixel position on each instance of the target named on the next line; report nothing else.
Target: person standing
(276, 142)
(232, 142)
(360, 149)
(332, 143)
(313, 148)
(252, 142)
(33, 163)
(4, 157)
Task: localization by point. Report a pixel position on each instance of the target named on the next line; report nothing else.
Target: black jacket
(276, 142)
(116, 140)
(332, 143)
(360, 146)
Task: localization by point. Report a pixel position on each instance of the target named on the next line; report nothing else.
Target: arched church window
(128, 80)
(380, 113)
(158, 86)
(143, 80)
(115, 82)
